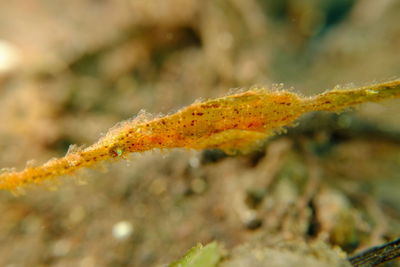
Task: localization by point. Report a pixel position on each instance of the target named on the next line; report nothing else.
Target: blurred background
(70, 70)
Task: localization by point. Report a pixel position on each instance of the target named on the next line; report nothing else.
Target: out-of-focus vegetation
(69, 70)
(200, 256)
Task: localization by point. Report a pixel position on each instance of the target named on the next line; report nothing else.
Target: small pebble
(122, 230)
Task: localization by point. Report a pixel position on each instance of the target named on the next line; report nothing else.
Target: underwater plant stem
(237, 122)
(337, 100)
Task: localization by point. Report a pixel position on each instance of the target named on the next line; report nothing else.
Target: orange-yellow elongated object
(234, 122)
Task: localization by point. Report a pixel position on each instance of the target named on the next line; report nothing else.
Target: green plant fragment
(200, 256)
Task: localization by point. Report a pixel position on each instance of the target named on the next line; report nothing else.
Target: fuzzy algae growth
(232, 123)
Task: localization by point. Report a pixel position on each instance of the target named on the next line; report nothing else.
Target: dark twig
(377, 255)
